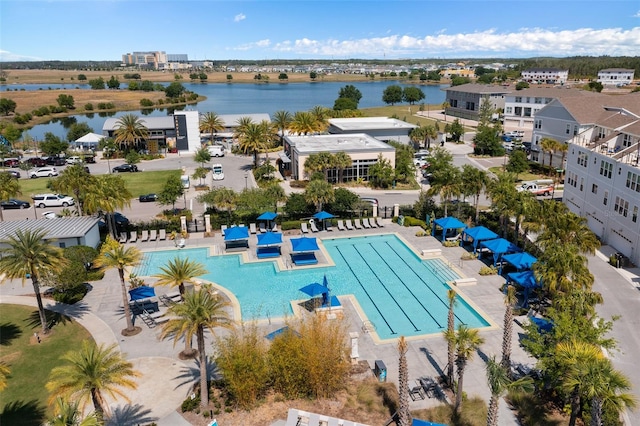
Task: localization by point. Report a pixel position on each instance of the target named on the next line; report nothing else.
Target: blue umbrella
(314, 289)
(236, 233)
(323, 215)
(267, 216)
(141, 292)
(270, 238)
(304, 244)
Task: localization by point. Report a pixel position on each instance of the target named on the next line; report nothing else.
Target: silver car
(43, 172)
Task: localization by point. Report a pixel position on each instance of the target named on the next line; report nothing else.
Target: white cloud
(637, 15)
(239, 17)
(6, 56)
(524, 42)
(260, 44)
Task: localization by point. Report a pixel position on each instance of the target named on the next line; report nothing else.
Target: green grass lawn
(137, 183)
(24, 401)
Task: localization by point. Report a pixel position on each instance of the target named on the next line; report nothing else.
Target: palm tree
(446, 184)
(467, 342)
(27, 255)
(550, 146)
(89, 374)
(321, 114)
(180, 271)
(502, 192)
(211, 123)
(223, 199)
(509, 300)
(445, 105)
(9, 188)
(474, 181)
(499, 383)
(276, 194)
(522, 206)
(200, 310)
(430, 133)
(341, 161)
(451, 344)
(319, 192)
(106, 194)
(252, 139)
(76, 180)
(69, 414)
(303, 123)
(404, 415)
(561, 268)
(114, 255)
(282, 120)
(565, 227)
(130, 131)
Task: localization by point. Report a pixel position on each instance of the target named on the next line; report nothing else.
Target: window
(606, 198)
(581, 184)
(537, 124)
(621, 206)
(583, 159)
(634, 216)
(508, 110)
(594, 188)
(606, 169)
(518, 99)
(538, 100)
(470, 106)
(633, 181)
(575, 130)
(627, 140)
(601, 133)
(568, 129)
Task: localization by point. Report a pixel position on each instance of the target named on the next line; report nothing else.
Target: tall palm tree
(211, 123)
(115, 255)
(106, 194)
(509, 300)
(451, 344)
(321, 114)
(200, 310)
(69, 414)
(445, 105)
(223, 199)
(27, 255)
(416, 135)
(548, 145)
(502, 192)
(130, 131)
(566, 227)
(474, 181)
(319, 192)
(430, 133)
(282, 120)
(304, 123)
(561, 268)
(404, 414)
(467, 342)
(499, 383)
(89, 374)
(276, 194)
(252, 139)
(76, 180)
(341, 161)
(522, 206)
(9, 188)
(180, 271)
(446, 184)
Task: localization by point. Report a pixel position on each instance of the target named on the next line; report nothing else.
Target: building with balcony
(520, 106)
(545, 76)
(615, 76)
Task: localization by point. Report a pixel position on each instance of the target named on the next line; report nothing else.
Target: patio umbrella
(314, 289)
(520, 260)
(304, 244)
(323, 216)
(141, 292)
(500, 246)
(268, 216)
(269, 239)
(236, 233)
(478, 234)
(447, 223)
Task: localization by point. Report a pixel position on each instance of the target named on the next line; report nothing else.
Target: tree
(113, 83)
(171, 191)
(202, 156)
(319, 192)
(502, 192)
(405, 168)
(548, 145)
(69, 414)
(445, 105)
(52, 145)
(342, 104)
(106, 194)
(447, 183)
(282, 120)
(404, 414)
(474, 181)
(518, 162)
(253, 139)
(283, 76)
(510, 300)
(351, 92)
(450, 336)
(178, 272)
(65, 101)
(76, 180)
(78, 130)
(130, 131)
(522, 85)
(174, 90)
(97, 83)
(412, 95)
(341, 161)
(7, 106)
(313, 75)
(222, 199)
(381, 174)
(304, 123)
(467, 342)
(392, 95)
(9, 188)
(90, 373)
(82, 77)
(211, 123)
(28, 255)
(117, 256)
(455, 129)
(199, 310)
(499, 382)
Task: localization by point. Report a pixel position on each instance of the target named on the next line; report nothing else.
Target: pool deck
(165, 381)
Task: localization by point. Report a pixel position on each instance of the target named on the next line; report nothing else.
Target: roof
(482, 89)
(599, 106)
(90, 138)
(336, 143)
(58, 228)
(550, 92)
(616, 70)
(151, 123)
(545, 70)
(370, 123)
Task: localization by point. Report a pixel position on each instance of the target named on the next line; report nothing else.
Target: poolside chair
(162, 234)
(123, 237)
(153, 235)
(181, 243)
(314, 228)
(223, 228)
(379, 222)
(341, 225)
(348, 224)
(263, 227)
(356, 223)
(328, 226)
(455, 238)
(144, 235)
(365, 223)
(274, 228)
(304, 228)
(252, 228)
(133, 236)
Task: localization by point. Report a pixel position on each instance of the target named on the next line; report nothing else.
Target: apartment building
(465, 100)
(157, 60)
(615, 76)
(545, 76)
(520, 106)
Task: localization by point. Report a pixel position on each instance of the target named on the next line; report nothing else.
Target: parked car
(55, 161)
(52, 200)
(216, 170)
(35, 162)
(14, 173)
(125, 168)
(14, 204)
(43, 172)
(11, 162)
(216, 150)
(120, 220)
(49, 215)
(148, 198)
(74, 160)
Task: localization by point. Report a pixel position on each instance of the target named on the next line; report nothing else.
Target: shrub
(412, 221)
(145, 102)
(88, 106)
(190, 404)
(70, 295)
(455, 243)
(488, 270)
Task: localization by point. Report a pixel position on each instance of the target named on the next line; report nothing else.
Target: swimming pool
(399, 293)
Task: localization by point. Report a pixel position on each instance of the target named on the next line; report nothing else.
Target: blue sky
(316, 29)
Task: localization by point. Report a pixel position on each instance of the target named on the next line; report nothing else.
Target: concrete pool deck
(426, 357)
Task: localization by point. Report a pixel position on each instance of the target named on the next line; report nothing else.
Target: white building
(382, 128)
(520, 106)
(60, 232)
(615, 76)
(545, 75)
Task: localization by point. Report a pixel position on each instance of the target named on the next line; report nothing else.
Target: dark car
(125, 168)
(119, 219)
(14, 204)
(13, 173)
(148, 198)
(56, 161)
(35, 162)
(11, 162)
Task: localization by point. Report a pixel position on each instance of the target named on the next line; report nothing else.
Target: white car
(44, 172)
(216, 170)
(216, 150)
(74, 160)
(49, 215)
(52, 200)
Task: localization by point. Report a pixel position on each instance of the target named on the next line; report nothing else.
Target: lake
(235, 98)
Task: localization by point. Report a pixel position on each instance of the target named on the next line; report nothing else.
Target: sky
(317, 29)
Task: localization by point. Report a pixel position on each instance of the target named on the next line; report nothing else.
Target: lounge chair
(372, 222)
(304, 228)
(162, 234)
(365, 223)
(455, 238)
(252, 228)
(341, 225)
(349, 225)
(153, 235)
(274, 228)
(314, 228)
(181, 243)
(416, 392)
(223, 228)
(133, 237)
(379, 222)
(263, 227)
(144, 235)
(356, 223)
(123, 237)
(328, 226)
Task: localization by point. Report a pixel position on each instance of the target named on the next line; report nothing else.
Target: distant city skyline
(67, 30)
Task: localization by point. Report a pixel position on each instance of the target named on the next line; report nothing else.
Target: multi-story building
(520, 106)
(615, 76)
(157, 60)
(545, 76)
(382, 128)
(465, 100)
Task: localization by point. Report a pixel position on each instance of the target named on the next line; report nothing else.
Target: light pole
(246, 176)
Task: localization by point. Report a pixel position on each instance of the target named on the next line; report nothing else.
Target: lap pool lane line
(386, 289)
(365, 290)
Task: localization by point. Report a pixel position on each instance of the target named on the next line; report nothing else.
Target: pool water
(399, 293)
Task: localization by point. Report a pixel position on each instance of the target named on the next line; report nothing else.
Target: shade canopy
(269, 239)
(418, 422)
(268, 216)
(236, 233)
(304, 244)
(520, 261)
(314, 289)
(323, 215)
(90, 138)
(478, 234)
(142, 292)
(447, 223)
(500, 246)
(525, 279)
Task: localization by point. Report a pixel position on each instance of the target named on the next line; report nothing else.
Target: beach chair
(328, 226)
(162, 234)
(181, 243)
(144, 235)
(372, 222)
(348, 224)
(304, 228)
(455, 238)
(314, 228)
(356, 223)
(133, 236)
(263, 227)
(341, 225)
(379, 222)
(223, 228)
(274, 228)
(123, 237)
(252, 228)
(153, 235)
(365, 223)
